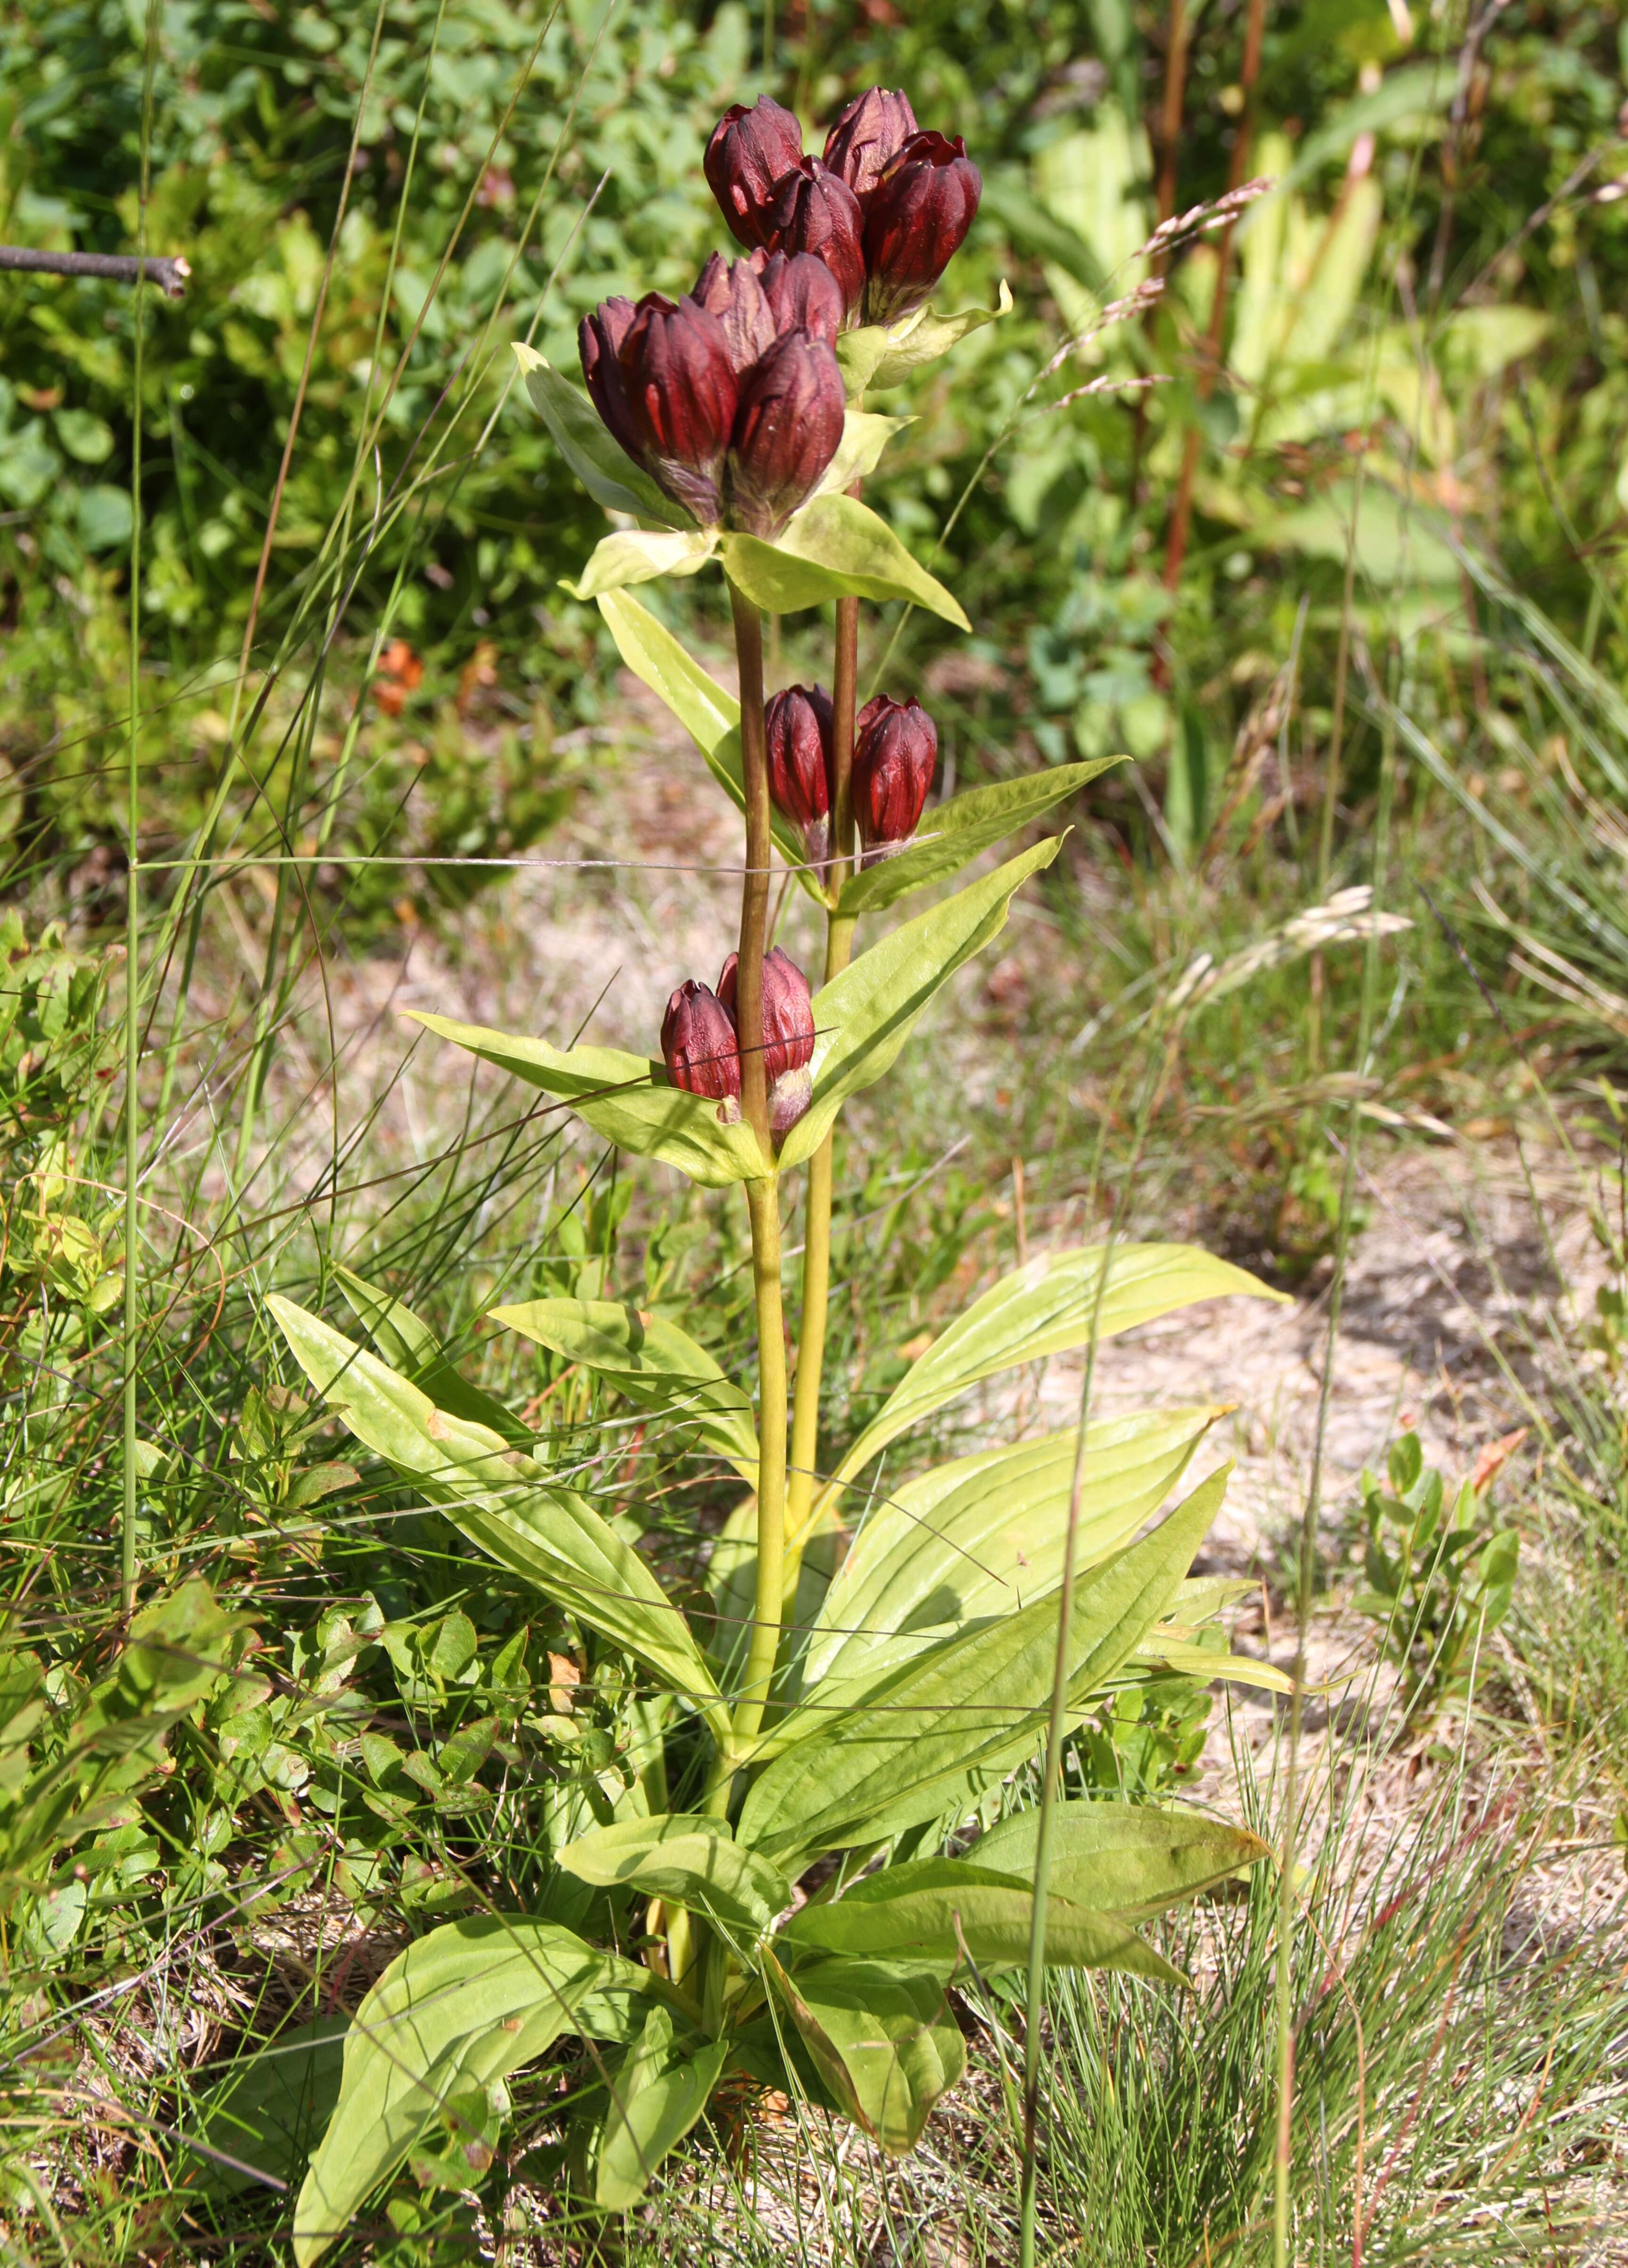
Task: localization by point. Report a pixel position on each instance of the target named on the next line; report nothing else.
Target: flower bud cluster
(730, 399)
(701, 1042)
(885, 208)
(895, 753)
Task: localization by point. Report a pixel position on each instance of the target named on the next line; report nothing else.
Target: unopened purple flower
(896, 751)
(800, 725)
(731, 290)
(873, 130)
(786, 432)
(700, 1047)
(918, 215)
(663, 382)
(803, 295)
(815, 212)
(749, 153)
(788, 1036)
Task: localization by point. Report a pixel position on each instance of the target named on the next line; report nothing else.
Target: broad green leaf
(953, 836)
(649, 1359)
(1206, 1662)
(655, 2100)
(863, 1017)
(710, 716)
(1048, 1307)
(686, 1858)
(859, 452)
(460, 2008)
(640, 555)
(833, 547)
(1120, 1857)
(942, 1910)
(624, 1098)
(984, 1534)
(882, 2038)
(499, 1498)
(608, 473)
(946, 1729)
(879, 356)
(408, 1345)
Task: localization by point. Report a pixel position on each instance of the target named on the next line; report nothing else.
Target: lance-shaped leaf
(1047, 1307)
(882, 2038)
(624, 1098)
(954, 834)
(943, 1730)
(833, 547)
(1121, 1858)
(642, 555)
(649, 1359)
(863, 1017)
(655, 2099)
(710, 716)
(879, 355)
(408, 1345)
(984, 1536)
(500, 1499)
(943, 1910)
(686, 1858)
(608, 473)
(458, 2009)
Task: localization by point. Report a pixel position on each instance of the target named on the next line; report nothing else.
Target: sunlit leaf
(945, 1729)
(501, 1499)
(638, 555)
(649, 1359)
(608, 473)
(863, 1017)
(859, 452)
(882, 2038)
(655, 2100)
(408, 1345)
(943, 1911)
(833, 547)
(1120, 1857)
(954, 833)
(1049, 1307)
(879, 356)
(984, 1534)
(460, 2008)
(624, 1098)
(686, 1858)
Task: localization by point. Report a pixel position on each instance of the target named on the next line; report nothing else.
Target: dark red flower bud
(788, 1034)
(803, 295)
(730, 290)
(700, 1049)
(815, 212)
(598, 341)
(749, 153)
(786, 433)
(895, 749)
(680, 389)
(799, 724)
(919, 216)
(873, 130)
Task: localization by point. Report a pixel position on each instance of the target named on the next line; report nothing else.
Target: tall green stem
(838, 945)
(762, 1198)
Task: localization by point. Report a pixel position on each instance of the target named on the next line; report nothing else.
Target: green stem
(817, 1238)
